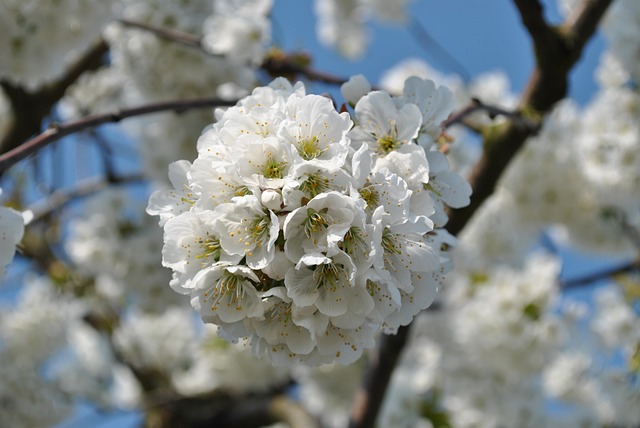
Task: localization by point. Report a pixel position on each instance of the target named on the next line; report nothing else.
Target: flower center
(325, 275)
(256, 230)
(387, 144)
(315, 222)
(370, 196)
(273, 168)
(211, 247)
(309, 149)
(242, 191)
(229, 286)
(353, 242)
(390, 243)
(314, 185)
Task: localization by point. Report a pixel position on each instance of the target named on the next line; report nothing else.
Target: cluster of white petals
(238, 29)
(621, 29)
(341, 23)
(30, 332)
(305, 233)
(11, 231)
(118, 245)
(69, 27)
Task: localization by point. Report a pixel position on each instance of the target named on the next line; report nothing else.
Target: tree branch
(547, 85)
(183, 38)
(532, 16)
(57, 131)
(501, 142)
(222, 410)
(30, 108)
(376, 379)
(276, 62)
(493, 111)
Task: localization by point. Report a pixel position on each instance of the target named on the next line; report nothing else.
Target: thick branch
(222, 411)
(547, 85)
(30, 108)
(532, 15)
(376, 379)
(56, 132)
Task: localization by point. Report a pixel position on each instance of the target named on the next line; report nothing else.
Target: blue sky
(481, 35)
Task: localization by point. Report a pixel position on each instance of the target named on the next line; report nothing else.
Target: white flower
(382, 125)
(41, 39)
(446, 187)
(310, 180)
(227, 293)
(169, 203)
(393, 80)
(191, 244)
(162, 341)
(419, 298)
(271, 199)
(266, 163)
(321, 225)
(316, 130)
(323, 282)
(11, 231)
(403, 249)
(435, 104)
(340, 24)
(247, 229)
(277, 328)
(216, 183)
(239, 30)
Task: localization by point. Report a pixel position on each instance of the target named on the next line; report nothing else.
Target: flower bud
(272, 199)
(355, 88)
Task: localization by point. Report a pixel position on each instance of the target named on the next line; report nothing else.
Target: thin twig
(83, 188)
(277, 65)
(431, 46)
(493, 111)
(57, 131)
(183, 38)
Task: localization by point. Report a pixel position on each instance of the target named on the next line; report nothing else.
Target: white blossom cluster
(306, 233)
(118, 245)
(341, 23)
(30, 332)
(620, 27)
(40, 38)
